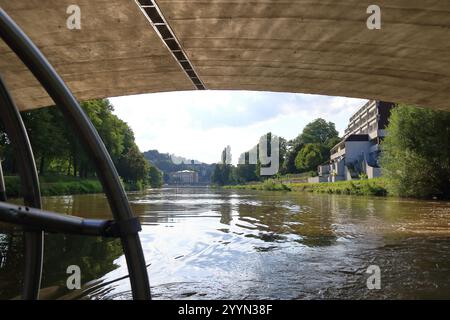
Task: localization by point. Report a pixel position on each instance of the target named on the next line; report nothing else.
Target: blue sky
(199, 124)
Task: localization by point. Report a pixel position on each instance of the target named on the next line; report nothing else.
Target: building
(185, 177)
(358, 152)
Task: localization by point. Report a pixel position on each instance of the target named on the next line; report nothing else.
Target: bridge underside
(306, 46)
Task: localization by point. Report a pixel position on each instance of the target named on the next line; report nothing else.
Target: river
(205, 243)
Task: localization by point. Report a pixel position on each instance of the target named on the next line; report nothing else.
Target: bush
(416, 152)
(272, 185)
(372, 187)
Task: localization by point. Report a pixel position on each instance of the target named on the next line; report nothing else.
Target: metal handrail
(30, 55)
(34, 239)
(53, 222)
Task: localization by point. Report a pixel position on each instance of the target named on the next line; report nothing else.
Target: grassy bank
(55, 186)
(368, 187)
(268, 185)
(371, 187)
(62, 185)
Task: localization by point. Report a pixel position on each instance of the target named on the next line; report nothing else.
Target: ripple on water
(222, 244)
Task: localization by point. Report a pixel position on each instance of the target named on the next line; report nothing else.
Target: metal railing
(124, 225)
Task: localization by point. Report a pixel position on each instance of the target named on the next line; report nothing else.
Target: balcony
(339, 152)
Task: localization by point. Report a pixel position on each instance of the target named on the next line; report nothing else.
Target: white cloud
(199, 124)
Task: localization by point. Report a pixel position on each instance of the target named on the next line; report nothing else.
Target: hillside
(169, 164)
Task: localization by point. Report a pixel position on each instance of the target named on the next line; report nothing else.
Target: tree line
(300, 155)
(415, 154)
(57, 150)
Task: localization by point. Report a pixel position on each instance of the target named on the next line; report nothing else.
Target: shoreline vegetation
(414, 158)
(63, 166)
(369, 187)
(63, 185)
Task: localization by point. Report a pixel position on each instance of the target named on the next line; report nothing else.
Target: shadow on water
(225, 244)
(94, 256)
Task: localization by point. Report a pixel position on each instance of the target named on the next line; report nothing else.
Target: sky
(200, 124)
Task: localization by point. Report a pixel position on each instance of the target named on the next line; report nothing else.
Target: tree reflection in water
(95, 256)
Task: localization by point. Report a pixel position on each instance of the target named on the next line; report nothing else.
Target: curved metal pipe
(30, 55)
(34, 239)
(2, 184)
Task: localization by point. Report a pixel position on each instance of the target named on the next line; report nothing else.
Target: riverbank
(369, 187)
(62, 185)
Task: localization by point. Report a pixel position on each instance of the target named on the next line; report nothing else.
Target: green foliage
(319, 131)
(155, 176)
(302, 154)
(267, 185)
(309, 157)
(95, 256)
(323, 135)
(74, 187)
(371, 187)
(54, 186)
(222, 174)
(12, 186)
(416, 152)
(363, 176)
(164, 162)
(331, 142)
(272, 185)
(132, 165)
(244, 173)
(288, 165)
(58, 152)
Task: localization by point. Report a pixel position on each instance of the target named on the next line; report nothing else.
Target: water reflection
(223, 244)
(94, 256)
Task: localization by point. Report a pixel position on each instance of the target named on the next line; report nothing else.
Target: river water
(205, 243)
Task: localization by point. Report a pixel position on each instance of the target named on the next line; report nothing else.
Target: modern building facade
(358, 152)
(185, 177)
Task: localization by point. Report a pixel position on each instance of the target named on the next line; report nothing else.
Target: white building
(185, 177)
(359, 150)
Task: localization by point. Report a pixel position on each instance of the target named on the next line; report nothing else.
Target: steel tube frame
(34, 238)
(2, 184)
(52, 222)
(30, 55)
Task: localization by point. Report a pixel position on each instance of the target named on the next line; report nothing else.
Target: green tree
(46, 130)
(331, 142)
(58, 151)
(156, 178)
(222, 174)
(416, 152)
(309, 157)
(216, 177)
(318, 131)
(245, 172)
(133, 166)
(293, 148)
